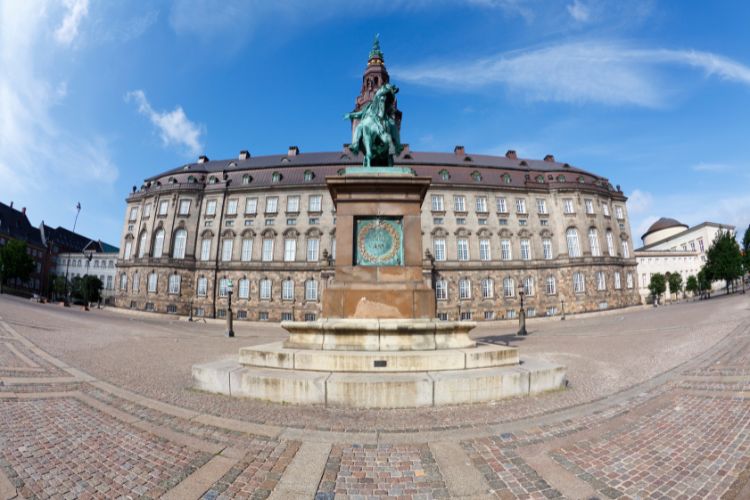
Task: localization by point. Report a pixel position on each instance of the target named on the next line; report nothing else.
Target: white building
(97, 259)
(673, 247)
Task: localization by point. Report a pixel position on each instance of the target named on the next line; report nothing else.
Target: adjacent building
(15, 225)
(491, 226)
(669, 246)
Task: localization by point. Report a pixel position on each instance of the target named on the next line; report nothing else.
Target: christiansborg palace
(491, 224)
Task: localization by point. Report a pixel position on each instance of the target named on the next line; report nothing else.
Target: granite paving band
(70, 430)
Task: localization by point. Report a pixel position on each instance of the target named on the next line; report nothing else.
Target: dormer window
(172, 180)
(309, 175)
(276, 177)
(506, 178)
(191, 179)
(341, 171)
(476, 176)
(540, 179)
(247, 179)
(581, 179)
(560, 178)
(213, 179)
(445, 175)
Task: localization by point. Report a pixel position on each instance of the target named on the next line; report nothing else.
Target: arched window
(158, 244)
(244, 288)
(594, 242)
(276, 177)
(192, 179)
(142, 244)
(464, 288)
(247, 179)
(574, 247)
(152, 282)
(476, 176)
(136, 282)
(551, 285)
(528, 286)
(488, 288)
(540, 179)
(581, 179)
(509, 287)
(213, 179)
(610, 243)
(444, 175)
(311, 290)
(341, 171)
(560, 178)
(180, 242)
(309, 175)
(123, 281)
(506, 178)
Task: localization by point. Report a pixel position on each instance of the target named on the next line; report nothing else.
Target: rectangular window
(521, 205)
(459, 203)
(551, 311)
(551, 285)
(629, 280)
(605, 209)
(547, 247)
(247, 250)
(620, 213)
(251, 206)
(226, 250)
(442, 316)
(589, 206)
(594, 242)
(263, 316)
(202, 288)
(313, 246)
(241, 314)
(267, 254)
(601, 282)
(232, 207)
(525, 249)
(147, 209)
(291, 221)
(541, 206)
(272, 204)
(463, 249)
(314, 203)
(438, 246)
(211, 207)
(505, 250)
(568, 206)
(163, 207)
(313, 221)
(618, 283)
(287, 290)
(484, 249)
(579, 284)
(290, 250)
(184, 207)
(124, 282)
(465, 315)
(311, 290)
(489, 315)
(488, 288)
(460, 221)
(223, 287)
(528, 286)
(700, 244)
(610, 243)
(265, 289)
(502, 205)
(128, 249)
(287, 316)
(441, 289)
(133, 214)
(244, 289)
(464, 289)
(437, 221)
(292, 204)
(438, 203)
(152, 283)
(309, 316)
(625, 249)
(269, 222)
(205, 249)
(174, 283)
(481, 204)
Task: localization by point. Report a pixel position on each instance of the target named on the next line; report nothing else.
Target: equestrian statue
(376, 133)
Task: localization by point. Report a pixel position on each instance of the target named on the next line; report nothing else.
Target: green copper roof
(376, 52)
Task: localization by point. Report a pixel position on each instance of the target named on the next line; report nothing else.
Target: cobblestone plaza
(99, 405)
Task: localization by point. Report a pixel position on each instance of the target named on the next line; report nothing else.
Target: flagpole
(66, 302)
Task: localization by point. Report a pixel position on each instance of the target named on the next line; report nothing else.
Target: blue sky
(97, 95)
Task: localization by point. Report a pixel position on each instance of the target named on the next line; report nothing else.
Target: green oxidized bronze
(376, 133)
(379, 241)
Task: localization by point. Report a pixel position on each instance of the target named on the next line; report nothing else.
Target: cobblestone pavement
(99, 405)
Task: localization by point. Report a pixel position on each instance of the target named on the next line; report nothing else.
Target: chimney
(244, 154)
(406, 148)
(293, 151)
(511, 154)
(23, 210)
(202, 159)
(459, 151)
(550, 158)
(11, 204)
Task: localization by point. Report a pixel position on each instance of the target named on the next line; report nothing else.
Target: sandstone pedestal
(378, 344)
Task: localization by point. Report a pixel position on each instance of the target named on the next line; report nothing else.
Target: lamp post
(522, 315)
(190, 318)
(89, 254)
(66, 300)
(230, 330)
(562, 303)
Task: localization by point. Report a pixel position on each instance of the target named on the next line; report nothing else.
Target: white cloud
(639, 201)
(579, 11)
(600, 71)
(712, 167)
(174, 126)
(68, 29)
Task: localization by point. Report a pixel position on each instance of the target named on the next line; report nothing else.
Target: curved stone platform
(357, 379)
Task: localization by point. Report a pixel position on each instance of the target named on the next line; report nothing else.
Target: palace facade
(491, 226)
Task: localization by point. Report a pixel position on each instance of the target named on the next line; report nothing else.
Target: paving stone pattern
(381, 471)
(61, 447)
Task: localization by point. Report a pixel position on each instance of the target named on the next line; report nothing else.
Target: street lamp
(66, 299)
(230, 330)
(89, 254)
(562, 303)
(522, 315)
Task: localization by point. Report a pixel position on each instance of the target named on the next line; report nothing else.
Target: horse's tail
(354, 115)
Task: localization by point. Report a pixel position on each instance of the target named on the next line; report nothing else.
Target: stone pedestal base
(384, 379)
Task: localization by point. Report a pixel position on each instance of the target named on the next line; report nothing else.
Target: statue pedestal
(378, 344)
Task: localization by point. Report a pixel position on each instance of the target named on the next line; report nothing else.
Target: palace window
(123, 281)
(267, 253)
(265, 289)
(251, 206)
(246, 179)
(610, 243)
(438, 246)
(547, 248)
(174, 284)
(142, 243)
(211, 207)
(311, 290)
(441, 289)
(180, 242)
(272, 204)
(484, 249)
(589, 206)
(309, 175)
(287, 289)
(133, 214)
(163, 207)
(521, 205)
(438, 203)
(292, 204)
(601, 282)
(184, 207)
(489, 315)
(232, 206)
(619, 212)
(128, 249)
(226, 250)
(568, 206)
(488, 288)
(551, 285)
(502, 205)
(505, 250)
(525, 249)
(314, 203)
(205, 249)
(290, 250)
(574, 248)
(579, 283)
(594, 242)
(202, 287)
(223, 287)
(541, 206)
(313, 247)
(147, 210)
(464, 288)
(152, 282)
(244, 288)
(509, 287)
(158, 243)
(618, 282)
(629, 280)
(481, 202)
(528, 286)
(625, 249)
(459, 203)
(506, 179)
(463, 249)
(444, 175)
(247, 250)
(276, 177)
(476, 176)
(605, 209)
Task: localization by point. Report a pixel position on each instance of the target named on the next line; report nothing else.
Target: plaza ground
(99, 404)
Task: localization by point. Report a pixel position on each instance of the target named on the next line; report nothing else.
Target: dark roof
(663, 223)
(15, 224)
(68, 241)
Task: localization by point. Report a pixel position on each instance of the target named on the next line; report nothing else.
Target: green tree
(658, 285)
(691, 285)
(91, 287)
(15, 262)
(746, 249)
(723, 259)
(704, 281)
(675, 282)
(58, 285)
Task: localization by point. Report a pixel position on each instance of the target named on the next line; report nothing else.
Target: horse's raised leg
(368, 151)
